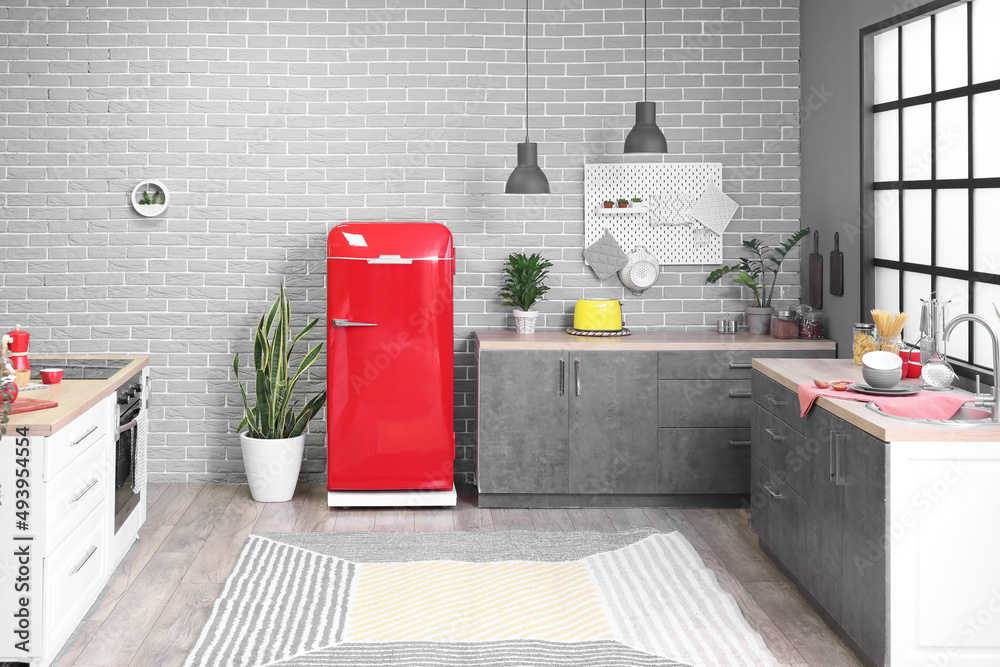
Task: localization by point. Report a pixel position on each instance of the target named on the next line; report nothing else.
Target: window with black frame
(931, 160)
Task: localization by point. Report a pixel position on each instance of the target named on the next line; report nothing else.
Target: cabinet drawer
(777, 399)
(74, 493)
(703, 460)
(67, 444)
(777, 514)
(781, 448)
(714, 403)
(721, 365)
(73, 576)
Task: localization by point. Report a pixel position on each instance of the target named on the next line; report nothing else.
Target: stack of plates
(898, 390)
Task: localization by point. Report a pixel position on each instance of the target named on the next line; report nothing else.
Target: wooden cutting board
(816, 274)
(30, 405)
(836, 267)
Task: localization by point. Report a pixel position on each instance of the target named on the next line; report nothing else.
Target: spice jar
(864, 341)
(811, 325)
(784, 324)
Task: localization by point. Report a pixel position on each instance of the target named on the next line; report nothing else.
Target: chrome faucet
(982, 400)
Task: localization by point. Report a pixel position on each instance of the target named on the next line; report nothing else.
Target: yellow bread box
(590, 315)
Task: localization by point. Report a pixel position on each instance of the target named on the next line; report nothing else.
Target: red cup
(51, 375)
(911, 363)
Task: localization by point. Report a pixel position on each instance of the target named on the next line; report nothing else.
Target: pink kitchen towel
(925, 405)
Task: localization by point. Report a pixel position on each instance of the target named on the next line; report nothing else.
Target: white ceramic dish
(882, 379)
(881, 361)
(898, 390)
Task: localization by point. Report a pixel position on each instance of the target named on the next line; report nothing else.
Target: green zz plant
(274, 417)
(752, 270)
(524, 278)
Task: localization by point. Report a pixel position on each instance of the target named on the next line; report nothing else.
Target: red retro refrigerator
(390, 356)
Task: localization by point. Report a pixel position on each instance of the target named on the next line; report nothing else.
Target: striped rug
(499, 599)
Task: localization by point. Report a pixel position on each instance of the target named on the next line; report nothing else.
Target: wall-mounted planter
(150, 198)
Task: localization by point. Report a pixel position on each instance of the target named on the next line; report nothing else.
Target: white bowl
(881, 379)
(882, 361)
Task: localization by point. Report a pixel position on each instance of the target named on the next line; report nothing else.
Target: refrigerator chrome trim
(404, 260)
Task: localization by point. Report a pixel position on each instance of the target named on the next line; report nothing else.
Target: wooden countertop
(793, 372)
(73, 396)
(644, 340)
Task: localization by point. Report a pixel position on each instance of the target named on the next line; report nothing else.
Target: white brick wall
(272, 123)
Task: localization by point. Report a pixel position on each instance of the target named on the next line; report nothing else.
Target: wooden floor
(152, 609)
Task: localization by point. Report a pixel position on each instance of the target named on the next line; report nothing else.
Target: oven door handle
(127, 427)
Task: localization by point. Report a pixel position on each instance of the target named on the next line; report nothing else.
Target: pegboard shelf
(621, 211)
(664, 227)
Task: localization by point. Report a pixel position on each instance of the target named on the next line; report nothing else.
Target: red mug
(911, 363)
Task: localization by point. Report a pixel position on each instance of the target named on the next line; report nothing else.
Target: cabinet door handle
(562, 377)
(774, 436)
(740, 443)
(83, 437)
(83, 562)
(836, 473)
(740, 394)
(774, 494)
(773, 401)
(83, 493)
(577, 364)
(741, 365)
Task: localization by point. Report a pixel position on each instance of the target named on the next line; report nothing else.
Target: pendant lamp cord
(645, 57)
(526, 70)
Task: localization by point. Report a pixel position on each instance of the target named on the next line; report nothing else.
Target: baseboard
(392, 498)
(585, 500)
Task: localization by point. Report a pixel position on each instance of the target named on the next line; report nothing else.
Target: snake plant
(274, 417)
(523, 284)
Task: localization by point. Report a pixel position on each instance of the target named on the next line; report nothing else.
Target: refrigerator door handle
(348, 323)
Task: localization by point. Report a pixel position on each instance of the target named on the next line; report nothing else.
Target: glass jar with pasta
(864, 340)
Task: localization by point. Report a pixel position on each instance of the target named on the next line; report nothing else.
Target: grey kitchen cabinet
(612, 424)
(524, 408)
(652, 419)
(551, 422)
(837, 473)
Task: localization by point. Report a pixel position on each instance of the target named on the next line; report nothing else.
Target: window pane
(953, 228)
(987, 249)
(917, 57)
(886, 290)
(887, 224)
(985, 42)
(986, 112)
(916, 286)
(887, 67)
(956, 292)
(951, 34)
(887, 146)
(917, 143)
(953, 138)
(917, 226)
(986, 295)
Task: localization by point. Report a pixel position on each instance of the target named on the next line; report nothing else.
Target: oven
(130, 449)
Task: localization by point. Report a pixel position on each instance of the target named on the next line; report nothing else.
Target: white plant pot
(272, 466)
(524, 320)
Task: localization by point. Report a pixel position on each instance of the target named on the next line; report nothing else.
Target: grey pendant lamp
(527, 178)
(645, 137)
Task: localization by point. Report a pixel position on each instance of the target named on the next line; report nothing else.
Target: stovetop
(80, 368)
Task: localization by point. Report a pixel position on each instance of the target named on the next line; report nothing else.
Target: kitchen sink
(966, 416)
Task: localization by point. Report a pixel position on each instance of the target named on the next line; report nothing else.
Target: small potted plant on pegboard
(524, 286)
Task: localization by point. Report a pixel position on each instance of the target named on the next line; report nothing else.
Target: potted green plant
(752, 273)
(524, 286)
(622, 203)
(275, 434)
(609, 203)
(636, 200)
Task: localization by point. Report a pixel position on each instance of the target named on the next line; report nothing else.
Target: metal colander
(641, 271)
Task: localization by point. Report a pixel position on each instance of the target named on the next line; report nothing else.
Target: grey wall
(831, 142)
(272, 123)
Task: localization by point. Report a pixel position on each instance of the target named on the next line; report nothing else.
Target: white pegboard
(671, 243)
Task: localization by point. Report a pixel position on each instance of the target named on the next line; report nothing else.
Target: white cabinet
(56, 499)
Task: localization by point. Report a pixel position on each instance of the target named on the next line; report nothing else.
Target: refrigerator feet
(349, 499)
